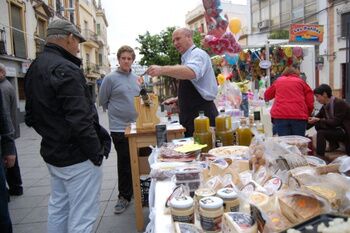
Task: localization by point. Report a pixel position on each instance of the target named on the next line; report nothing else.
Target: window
(18, 39)
(345, 25)
(41, 30)
(98, 29)
(58, 7)
(100, 59)
(275, 13)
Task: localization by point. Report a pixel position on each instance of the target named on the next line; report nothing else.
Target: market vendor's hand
(154, 70)
(312, 120)
(172, 100)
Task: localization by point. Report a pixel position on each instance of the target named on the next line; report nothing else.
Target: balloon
(221, 79)
(232, 60)
(298, 52)
(216, 22)
(235, 25)
(288, 52)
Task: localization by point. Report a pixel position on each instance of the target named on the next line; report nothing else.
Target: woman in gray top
(117, 93)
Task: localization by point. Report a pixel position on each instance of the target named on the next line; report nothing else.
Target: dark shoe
(121, 205)
(18, 191)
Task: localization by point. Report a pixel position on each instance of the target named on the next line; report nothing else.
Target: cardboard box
(144, 153)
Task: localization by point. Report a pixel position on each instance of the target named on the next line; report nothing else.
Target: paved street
(29, 212)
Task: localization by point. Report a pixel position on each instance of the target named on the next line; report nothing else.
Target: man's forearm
(178, 72)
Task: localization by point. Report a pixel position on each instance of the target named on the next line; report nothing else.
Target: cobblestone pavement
(29, 212)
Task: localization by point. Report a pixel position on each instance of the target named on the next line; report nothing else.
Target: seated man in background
(332, 122)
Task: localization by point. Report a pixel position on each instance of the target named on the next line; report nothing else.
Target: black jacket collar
(54, 48)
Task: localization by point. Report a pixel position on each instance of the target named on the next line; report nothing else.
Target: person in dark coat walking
(8, 157)
(13, 174)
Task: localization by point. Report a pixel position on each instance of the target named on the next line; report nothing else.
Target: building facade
(331, 55)
(23, 27)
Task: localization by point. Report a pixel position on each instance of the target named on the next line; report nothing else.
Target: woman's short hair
(126, 48)
(323, 88)
(290, 70)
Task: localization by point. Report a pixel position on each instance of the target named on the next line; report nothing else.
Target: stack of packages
(270, 186)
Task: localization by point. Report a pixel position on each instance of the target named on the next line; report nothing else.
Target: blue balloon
(231, 59)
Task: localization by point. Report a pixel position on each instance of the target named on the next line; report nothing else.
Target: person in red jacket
(293, 104)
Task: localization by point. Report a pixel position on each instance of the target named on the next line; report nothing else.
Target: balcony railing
(91, 68)
(89, 35)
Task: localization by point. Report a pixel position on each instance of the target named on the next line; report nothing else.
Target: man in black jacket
(7, 160)
(60, 109)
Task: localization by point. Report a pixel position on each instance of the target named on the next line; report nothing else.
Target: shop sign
(306, 33)
(25, 66)
(11, 71)
(265, 64)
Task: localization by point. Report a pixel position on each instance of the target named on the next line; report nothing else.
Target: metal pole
(347, 70)
(267, 54)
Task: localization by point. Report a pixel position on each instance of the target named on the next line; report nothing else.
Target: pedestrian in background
(293, 103)
(59, 107)
(117, 93)
(8, 158)
(13, 174)
(197, 86)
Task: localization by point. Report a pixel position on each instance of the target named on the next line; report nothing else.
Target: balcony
(91, 70)
(91, 38)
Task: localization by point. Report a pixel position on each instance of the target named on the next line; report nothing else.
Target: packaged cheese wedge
(237, 222)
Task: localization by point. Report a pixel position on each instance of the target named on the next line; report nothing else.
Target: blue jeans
(74, 200)
(286, 127)
(5, 221)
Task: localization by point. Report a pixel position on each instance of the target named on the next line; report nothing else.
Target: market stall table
(139, 140)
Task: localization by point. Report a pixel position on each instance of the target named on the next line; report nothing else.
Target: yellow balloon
(235, 25)
(288, 51)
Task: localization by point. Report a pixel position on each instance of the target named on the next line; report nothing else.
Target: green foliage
(279, 34)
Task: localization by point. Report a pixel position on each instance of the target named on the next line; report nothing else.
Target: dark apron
(190, 103)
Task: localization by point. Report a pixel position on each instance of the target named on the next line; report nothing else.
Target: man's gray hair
(2, 67)
(56, 37)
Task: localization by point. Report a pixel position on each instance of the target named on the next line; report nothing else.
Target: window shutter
(18, 36)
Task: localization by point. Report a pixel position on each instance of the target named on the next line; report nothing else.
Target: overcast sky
(129, 18)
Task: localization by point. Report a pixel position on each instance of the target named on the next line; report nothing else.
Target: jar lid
(227, 193)
(181, 202)
(211, 202)
(203, 192)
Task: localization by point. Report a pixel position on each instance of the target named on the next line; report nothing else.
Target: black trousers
(5, 220)
(331, 135)
(121, 145)
(13, 177)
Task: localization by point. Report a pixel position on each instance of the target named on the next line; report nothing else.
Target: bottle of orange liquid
(244, 134)
(223, 129)
(202, 133)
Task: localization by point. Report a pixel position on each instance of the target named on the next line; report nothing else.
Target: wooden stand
(138, 140)
(147, 118)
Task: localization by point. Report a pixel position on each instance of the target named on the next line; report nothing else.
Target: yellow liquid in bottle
(223, 129)
(202, 134)
(244, 134)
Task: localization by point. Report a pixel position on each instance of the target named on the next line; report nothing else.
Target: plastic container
(210, 211)
(182, 209)
(223, 129)
(230, 198)
(199, 194)
(202, 133)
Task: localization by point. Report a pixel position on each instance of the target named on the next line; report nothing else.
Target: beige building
(23, 27)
